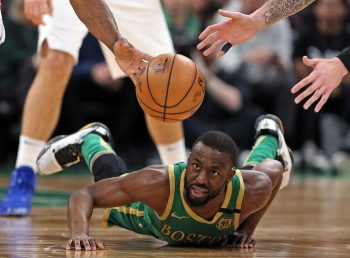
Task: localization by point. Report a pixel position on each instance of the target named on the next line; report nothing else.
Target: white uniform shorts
(140, 21)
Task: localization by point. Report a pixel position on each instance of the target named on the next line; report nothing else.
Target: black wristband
(344, 57)
(226, 47)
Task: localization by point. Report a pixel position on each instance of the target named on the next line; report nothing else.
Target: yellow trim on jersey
(258, 141)
(105, 217)
(171, 194)
(130, 210)
(239, 199)
(194, 215)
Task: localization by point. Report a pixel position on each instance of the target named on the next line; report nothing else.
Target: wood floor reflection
(308, 219)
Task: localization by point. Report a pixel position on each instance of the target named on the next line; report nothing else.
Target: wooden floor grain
(308, 219)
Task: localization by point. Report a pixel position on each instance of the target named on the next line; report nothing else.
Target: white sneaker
(271, 124)
(65, 150)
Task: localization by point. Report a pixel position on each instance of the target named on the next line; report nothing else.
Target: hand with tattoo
(238, 27)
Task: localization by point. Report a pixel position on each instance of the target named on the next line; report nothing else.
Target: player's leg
(91, 144)
(169, 140)
(59, 42)
(143, 24)
(270, 143)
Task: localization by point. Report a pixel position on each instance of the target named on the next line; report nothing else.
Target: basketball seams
(175, 113)
(189, 90)
(147, 106)
(147, 81)
(167, 88)
(166, 96)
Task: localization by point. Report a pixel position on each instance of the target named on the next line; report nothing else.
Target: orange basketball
(171, 88)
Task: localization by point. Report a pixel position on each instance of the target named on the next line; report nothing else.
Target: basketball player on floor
(204, 202)
(60, 38)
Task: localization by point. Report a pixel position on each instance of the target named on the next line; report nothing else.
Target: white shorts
(140, 21)
(2, 29)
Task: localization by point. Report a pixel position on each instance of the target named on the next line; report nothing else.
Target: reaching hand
(322, 81)
(35, 9)
(237, 29)
(84, 242)
(241, 239)
(130, 60)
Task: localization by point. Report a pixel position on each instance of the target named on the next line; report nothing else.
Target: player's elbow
(273, 169)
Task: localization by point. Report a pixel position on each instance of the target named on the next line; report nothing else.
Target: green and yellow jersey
(179, 225)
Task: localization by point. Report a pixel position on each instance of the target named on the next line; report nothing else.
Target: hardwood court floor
(308, 219)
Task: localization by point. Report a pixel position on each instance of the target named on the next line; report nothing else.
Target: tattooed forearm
(278, 9)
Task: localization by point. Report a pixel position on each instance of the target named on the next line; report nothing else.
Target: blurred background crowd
(250, 80)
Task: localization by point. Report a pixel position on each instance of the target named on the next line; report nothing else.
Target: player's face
(207, 173)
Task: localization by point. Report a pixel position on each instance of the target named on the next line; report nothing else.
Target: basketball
(171, 88)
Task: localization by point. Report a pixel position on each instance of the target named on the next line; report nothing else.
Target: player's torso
(179, 225)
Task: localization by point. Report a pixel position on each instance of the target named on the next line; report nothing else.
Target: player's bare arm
(275, 10)
(97, 17)
(149, 185)
(35, 9)
(261, 187)
(239, 27)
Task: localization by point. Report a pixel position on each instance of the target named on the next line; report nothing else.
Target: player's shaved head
(219, 141)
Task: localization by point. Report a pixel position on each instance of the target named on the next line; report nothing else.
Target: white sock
(172, 153)
(28, 151)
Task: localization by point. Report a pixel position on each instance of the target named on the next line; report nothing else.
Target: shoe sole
(293, 165)
(16, 212)
(48, 145)
(272, 117)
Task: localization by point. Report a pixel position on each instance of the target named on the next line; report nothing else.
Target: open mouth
(198, 192)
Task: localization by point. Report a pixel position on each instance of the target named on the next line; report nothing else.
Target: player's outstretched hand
(321, 82)
(84, 242)
(131, 60)
(35, 9)
(241, 239)
(237, 29)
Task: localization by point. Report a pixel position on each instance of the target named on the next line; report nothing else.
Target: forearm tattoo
(278, 9)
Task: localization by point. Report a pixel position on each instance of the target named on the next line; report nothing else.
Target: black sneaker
(64, 151)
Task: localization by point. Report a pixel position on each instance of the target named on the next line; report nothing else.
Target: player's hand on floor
(236, 29)
(131, 60)
(84, 242)
(35, 9)
(240, 239)
(321, 82)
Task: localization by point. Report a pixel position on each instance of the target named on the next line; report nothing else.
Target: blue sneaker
(18, 199)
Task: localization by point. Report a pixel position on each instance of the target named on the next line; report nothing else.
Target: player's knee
(107, 166)
(58, 62)
(272, 168)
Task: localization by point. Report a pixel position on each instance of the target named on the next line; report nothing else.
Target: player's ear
(232, 172)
